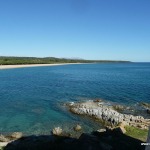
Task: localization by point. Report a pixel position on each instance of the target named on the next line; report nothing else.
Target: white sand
(32, 65)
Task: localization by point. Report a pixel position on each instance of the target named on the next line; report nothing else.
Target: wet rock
(16, 135)
(77, 127)
(57, 131)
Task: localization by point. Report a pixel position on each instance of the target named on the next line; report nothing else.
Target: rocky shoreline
(118, 127)
(99, 140)
(107, 114)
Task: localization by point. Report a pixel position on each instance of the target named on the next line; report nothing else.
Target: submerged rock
(57, 131)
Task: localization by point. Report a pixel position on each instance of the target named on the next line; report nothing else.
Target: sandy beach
(32, 65)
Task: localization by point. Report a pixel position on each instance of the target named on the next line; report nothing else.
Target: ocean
(32, 99)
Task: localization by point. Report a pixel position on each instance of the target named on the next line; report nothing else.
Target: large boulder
(16, 135)
(57, 131)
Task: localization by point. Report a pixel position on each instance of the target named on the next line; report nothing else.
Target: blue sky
(89, 29)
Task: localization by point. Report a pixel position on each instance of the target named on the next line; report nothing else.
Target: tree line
(4, 60)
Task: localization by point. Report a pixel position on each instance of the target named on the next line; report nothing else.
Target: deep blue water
(31, 98)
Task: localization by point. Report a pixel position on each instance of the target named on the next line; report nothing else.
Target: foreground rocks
(107, 114)
(102, 139)
(57, 131)
(107, 140)
(4, 140)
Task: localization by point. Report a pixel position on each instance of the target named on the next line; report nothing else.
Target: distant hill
(5, 60)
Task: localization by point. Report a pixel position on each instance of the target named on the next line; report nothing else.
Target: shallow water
(31, 98)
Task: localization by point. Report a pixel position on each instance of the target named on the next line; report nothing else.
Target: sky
(88, 29)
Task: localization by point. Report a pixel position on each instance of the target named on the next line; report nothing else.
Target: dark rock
(88, 138)
(101, 141)
(119, 130)
(148, 111)
(89, 142)
(106, 146)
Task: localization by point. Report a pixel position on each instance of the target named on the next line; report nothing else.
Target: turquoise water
(31, 99)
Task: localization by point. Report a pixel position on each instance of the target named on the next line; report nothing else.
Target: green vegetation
(137, 133)
(47, 60)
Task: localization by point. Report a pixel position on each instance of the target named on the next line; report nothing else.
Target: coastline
(34, 65)
(105, 138)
